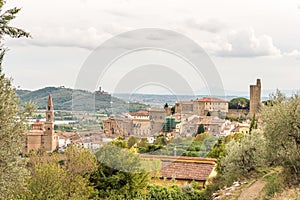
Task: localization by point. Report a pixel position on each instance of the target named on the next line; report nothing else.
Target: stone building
(113, 127)
(212, 124)
(202, 106)
(184, 107)
(255, 97)
(214, 106)
(157, 117)
(141, 123)
(42, 135)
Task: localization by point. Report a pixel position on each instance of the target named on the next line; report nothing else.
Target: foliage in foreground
(281, 122)
(120, 174)
(185, 192)
(244, 156)
(12, 170)
(60, 176)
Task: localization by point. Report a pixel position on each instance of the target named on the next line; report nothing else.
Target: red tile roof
(185, 168)
(140, 113)
(209, 99)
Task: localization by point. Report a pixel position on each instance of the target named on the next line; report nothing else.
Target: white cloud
(295, 53)
(89, 38)
(242, 43)
(212, 25)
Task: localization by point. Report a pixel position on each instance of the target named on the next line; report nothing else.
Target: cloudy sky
(245, 40)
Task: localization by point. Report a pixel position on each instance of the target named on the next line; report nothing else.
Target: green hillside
(79, 100)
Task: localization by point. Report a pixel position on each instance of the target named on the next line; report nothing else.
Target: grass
(274, 184)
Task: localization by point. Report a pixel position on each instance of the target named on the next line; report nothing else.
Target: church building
(42, 135)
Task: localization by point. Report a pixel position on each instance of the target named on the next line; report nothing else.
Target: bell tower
(50, 140)
(49, 124)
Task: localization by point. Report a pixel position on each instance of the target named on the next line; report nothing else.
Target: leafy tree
(281, 124)
(51, 181)
(11, 129)
(253, 124)
(200, 129)
(218, 150)
(244, 156)
(173, 110)
(161, 140)
(189, 191)
(201, 137)
(161, 192)
(239, 103)
(166, 106)
(234, 136)
(79, 161)
(119, 142)
(132, 141)
(120, 174)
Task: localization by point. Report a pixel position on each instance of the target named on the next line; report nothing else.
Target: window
(48, 107)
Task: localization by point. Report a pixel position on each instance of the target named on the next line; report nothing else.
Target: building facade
(202, 106)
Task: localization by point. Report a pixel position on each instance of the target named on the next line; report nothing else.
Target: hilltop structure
(255, 97)
(42, 135)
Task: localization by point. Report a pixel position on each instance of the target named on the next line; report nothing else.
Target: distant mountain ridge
(79, 100)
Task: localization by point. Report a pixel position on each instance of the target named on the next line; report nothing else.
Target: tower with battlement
(255, 97)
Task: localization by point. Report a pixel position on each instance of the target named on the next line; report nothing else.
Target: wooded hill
(79, 100)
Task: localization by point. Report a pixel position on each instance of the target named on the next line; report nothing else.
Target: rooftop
(211, 99)
(140, 113)
(185, 168)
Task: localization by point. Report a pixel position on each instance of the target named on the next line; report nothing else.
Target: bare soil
(253, 191)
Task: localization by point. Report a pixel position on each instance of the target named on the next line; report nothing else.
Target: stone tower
(50, 138)
(255, 95)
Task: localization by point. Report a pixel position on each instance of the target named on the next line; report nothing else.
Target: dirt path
(253, 191)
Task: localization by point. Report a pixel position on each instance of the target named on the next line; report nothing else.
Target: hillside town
(149, 100)
(180, 120)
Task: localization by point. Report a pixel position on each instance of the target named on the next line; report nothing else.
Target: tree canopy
(11, 117)
(239, 103)
(281, 123)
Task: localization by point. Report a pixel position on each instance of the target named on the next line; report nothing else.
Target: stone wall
(238, 113)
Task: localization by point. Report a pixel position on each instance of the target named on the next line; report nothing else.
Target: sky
(244, 40)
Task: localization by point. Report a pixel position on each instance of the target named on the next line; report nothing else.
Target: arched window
(49, 117)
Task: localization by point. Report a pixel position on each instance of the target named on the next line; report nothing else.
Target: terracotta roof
(157, 110)
(209, 99)
(185, 168)
(140, 113)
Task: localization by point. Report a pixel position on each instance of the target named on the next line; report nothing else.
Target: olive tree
(11, 122)
(281, 124)
(244, 156)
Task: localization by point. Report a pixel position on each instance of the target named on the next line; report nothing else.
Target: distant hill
(79, 100)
